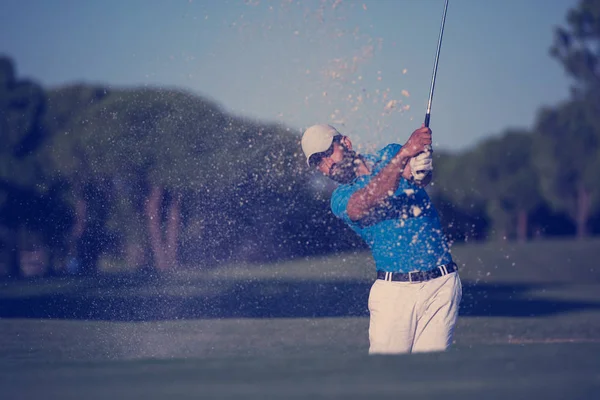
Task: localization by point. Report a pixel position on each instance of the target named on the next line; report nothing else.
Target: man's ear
(346, 142)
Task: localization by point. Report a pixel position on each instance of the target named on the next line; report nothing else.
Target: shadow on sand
(136, 300)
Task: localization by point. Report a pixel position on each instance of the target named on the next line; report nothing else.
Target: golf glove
(421, 166)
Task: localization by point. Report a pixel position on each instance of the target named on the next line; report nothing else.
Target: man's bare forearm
(381, 187)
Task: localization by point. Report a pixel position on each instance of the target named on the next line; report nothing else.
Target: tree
(148, 144)
(457, 196)
(508, 181)
(191, 182)
(67, 164)
(577, 46)
(28, 207)
(21, 107)
(566, 150)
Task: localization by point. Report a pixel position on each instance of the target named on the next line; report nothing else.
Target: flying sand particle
(391, 104)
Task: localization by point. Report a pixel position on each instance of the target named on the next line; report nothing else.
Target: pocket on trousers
(373, 296)
(459, 290)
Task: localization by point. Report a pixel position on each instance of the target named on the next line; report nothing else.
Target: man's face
(338, 163)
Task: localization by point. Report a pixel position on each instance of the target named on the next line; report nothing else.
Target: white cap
(317, 139)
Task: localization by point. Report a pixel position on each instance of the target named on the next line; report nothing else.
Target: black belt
(418, 276)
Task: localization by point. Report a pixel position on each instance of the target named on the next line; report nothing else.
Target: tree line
(541, 181)
(151, 179)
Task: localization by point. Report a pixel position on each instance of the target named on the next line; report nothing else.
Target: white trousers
(410, 317)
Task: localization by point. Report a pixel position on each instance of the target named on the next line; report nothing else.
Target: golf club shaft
(437, 57)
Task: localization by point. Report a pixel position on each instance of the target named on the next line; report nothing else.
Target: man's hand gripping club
(421, 165)
(385, 183)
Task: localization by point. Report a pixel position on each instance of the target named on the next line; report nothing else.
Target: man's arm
(385, 183)
(381, 187)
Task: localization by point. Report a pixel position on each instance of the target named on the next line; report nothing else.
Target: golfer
(414, 301)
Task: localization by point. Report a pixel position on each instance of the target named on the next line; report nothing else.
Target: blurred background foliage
(153, 179)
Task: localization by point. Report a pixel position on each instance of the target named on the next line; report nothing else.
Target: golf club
(435, 65)
(437, 57)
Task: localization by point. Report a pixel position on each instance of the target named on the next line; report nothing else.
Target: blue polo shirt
(405, 234)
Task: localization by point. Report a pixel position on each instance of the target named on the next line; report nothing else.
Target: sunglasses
(316, 159)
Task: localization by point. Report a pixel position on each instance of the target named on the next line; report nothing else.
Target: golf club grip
(427, 116)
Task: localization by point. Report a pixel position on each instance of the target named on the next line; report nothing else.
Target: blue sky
(363, 66)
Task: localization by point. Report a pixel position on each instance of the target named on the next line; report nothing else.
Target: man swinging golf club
(414, 301)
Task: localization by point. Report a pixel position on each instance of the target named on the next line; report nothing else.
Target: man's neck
(362, 168)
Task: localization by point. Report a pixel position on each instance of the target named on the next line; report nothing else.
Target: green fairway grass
(481, 372)
(529, 328)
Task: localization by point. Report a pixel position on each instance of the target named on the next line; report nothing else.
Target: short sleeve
(390, 150)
